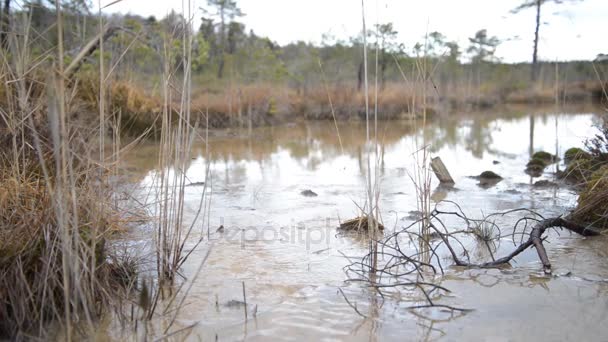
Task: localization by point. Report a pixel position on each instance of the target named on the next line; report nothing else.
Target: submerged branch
(535, 239)
(409, 269)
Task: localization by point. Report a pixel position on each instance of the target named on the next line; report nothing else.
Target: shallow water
(285, 248)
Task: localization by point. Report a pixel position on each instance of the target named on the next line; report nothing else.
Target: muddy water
(285, 248)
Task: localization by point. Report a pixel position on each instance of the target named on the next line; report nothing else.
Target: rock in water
(308, 193)
(488, 179)
(547, 157)
(489, 175)
(544, 184)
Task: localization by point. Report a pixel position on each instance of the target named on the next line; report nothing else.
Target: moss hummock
(489, 175)
(575, 153)
(547, 157)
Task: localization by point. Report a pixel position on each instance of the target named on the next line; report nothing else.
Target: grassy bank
(138, 110)
(56, 215)
(587, 170)
(60, 147)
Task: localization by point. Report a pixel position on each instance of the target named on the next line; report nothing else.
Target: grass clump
(34, 255)
(591, 208)
(590, 170)
(361, 223)
(485, 231)
(579, 171)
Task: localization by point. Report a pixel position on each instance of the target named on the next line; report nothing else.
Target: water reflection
(311, 144)
(256, 178)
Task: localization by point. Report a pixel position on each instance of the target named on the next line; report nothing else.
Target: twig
(439, 306)
(245, 300)
(166, 336)
(350, 304)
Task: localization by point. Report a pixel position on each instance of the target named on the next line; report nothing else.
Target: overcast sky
(569, 31)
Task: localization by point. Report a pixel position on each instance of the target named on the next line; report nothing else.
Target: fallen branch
(408, 269)
(535, 239)
(88, 50)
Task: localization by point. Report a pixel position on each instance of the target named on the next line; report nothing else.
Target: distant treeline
(243, 79)
(225, 52)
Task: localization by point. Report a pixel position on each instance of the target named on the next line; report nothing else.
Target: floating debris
(359, 223)
(414, 215)
(544, 184)
(512, 192)
(441, 171)
(233, 303)
(308, 193)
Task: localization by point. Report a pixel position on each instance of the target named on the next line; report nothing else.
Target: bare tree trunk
(383, 64)
(535, 52)
(220, 69)
(360, 76)
(5, 24)
(531, 146)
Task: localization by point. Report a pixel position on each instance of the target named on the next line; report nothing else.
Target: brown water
(285, 247)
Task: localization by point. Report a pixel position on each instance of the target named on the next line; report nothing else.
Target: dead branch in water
(535, 237)
(409, 260)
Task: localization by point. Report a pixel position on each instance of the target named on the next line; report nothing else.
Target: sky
(570, 31)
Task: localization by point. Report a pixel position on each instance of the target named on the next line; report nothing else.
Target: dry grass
(545, 94)
(259, 104)
(591, 208)
(394, 101)
(31, 252)
(591, 167)
(136, 110)
(242, 105)
(56, 207)
(359, 224)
